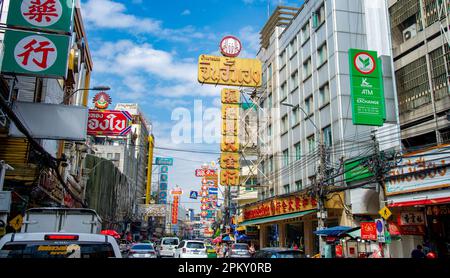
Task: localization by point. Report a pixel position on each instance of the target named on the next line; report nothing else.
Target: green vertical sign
(367, 93)
(35, 54)
(54, 15)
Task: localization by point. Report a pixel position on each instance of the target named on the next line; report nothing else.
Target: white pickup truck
(59, 233)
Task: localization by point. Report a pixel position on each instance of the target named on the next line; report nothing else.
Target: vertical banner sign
(54, 15)
(163, 185)
(36, 54)
(367, 92)
(175, 204)
(230, 159)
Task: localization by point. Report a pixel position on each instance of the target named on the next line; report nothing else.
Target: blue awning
(333, 231)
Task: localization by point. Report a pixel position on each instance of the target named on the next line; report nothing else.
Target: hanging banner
(367, 90)
(229, 71)
(109, 123)
(35, 54)
(54, 15)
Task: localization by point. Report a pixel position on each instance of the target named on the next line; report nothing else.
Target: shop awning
(333, 231)
(421, 202)
(277, 218)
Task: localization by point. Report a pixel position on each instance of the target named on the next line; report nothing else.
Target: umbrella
(110, 233)
(242, 237)
(227, 238)
(217, 240)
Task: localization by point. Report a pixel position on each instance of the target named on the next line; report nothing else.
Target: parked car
(239, 250)
(168, 245)
(59, 245)
(191, 249)
(142, 250)
(279, 253)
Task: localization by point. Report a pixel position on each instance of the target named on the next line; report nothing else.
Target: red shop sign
(368, 231)
(109, 123)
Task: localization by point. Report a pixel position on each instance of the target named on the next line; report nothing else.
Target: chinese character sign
(40, 55)
(54, 15)
(229, 71)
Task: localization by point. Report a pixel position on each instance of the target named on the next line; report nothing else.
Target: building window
(269, 131)
(327, 136)
(269, 70)
(294, 81)
(319, 16)
(293, 47)
(282, 59)
(269, 100)
(283, 91)
(271, 170)
(263, 195)
(287, 189)
(312, 180)
(305, 33)
(263, 167)
(322, 55)
(284, 124)
(272, 192)
(298, 185)
(109, 156)
(307, 69)
(295, 116)
(298, 151)
(324, 95)
(309, 109)
(117, 156)
(311, 143)
(285, 158)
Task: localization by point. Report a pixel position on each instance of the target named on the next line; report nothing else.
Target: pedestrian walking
(252, 250)
(418, 253)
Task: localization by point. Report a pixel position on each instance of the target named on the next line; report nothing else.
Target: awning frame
(267, 220)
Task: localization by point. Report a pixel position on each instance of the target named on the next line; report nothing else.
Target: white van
(167, 247)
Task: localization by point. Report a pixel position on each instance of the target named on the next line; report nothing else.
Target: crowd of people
(223, 250)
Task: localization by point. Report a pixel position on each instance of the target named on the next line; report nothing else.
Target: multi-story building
(306, 99)
(33, 181)
(421, 58)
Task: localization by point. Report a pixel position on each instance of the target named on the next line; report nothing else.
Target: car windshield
(142, 247)
(240, 247)
(46, 250)
(171, 241)
(195, 245)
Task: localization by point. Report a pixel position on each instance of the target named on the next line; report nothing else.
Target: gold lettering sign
(229, 144)
(230, 127)
(229, 177)
(229, 161)
(230, 111)
(230, 96)
(229, 71)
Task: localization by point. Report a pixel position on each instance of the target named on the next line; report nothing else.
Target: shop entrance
(295, 235)
(273, 235)
(438, 222)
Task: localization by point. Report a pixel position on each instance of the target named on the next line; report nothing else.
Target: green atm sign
(367, 93)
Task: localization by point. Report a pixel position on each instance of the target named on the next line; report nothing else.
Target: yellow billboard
(229, 71)
(229, 177)
(229, 161)
(230, 96)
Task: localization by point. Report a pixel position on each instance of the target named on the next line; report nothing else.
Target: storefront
(418, 194)
(289, 221)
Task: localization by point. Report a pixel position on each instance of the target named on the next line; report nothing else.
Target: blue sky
(147, 51)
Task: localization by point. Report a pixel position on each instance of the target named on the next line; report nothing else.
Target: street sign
(355, 171)
(109, 123)
(164, 169)
(164, 161)
(230, 46)
(42, 55)
(194, 195)
(204, 173)
(213, 191)
(16, 223)
(54, 15)
(385, 213)
(381, 237)
(368, 231)
(367, 90)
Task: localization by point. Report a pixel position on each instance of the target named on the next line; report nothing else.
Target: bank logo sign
(367, 93)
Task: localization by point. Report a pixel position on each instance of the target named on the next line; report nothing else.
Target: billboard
(109, 123)
(229, 71)
(367, 92)
(50, 121)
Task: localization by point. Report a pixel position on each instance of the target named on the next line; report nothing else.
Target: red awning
(422, 202)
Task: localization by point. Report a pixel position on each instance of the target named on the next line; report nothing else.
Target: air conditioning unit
(409, 32)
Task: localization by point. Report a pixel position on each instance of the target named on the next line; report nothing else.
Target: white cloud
(186, 12)
(108, 14)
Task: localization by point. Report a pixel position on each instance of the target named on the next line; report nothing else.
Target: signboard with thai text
(204, 172)
(54, 15)
(229, 71)
(368, 231)
(164, 161)
(35, 54)
(367, 93)
(109, 123)
(420, 171)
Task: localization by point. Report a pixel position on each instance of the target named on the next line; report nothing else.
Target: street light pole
(96, 88)
(319, 182)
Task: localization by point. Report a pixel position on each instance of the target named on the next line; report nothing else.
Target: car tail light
(61, 237)
(184, 250)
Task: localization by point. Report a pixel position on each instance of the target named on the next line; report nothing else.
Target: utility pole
(320, 190)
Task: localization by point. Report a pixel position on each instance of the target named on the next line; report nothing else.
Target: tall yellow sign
(229, 71)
